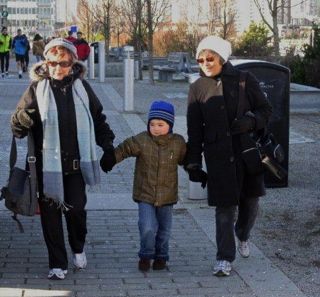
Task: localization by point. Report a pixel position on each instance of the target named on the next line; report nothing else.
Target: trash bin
(274, 80)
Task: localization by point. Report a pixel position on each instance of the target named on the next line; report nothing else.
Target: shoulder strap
(32, 164)
(242, 89)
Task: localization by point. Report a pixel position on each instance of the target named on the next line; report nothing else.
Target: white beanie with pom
(220, 46)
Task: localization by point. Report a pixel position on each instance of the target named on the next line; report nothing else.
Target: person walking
(234, 180)
(38, 47)
(5, 46)
(158, 152)
(26, 56)
(20, 46)
(70, 37)
(83, 48)
(66, 119)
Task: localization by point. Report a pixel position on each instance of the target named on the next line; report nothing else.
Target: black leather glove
(198, 176)
(108, 160)
(243, 125)
(23, 117)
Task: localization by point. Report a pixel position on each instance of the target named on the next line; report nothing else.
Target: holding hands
(108, 160)
(198, 176)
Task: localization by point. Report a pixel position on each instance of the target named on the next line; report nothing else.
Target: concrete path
(113, 240)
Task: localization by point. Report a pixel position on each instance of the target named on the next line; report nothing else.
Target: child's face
(158, 127)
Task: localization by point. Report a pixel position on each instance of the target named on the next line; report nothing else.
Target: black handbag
(265, 151)
(20, 193)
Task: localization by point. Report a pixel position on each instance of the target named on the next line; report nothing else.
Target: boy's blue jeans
(155, 229)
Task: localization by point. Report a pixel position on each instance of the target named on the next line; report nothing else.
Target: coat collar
(39, 71)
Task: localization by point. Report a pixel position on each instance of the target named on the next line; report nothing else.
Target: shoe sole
(55, 277)
(221, 273)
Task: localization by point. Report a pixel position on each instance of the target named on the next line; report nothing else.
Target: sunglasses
(208, 59)
(63, 64)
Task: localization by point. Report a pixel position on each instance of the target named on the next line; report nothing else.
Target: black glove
(108, 160)
(23, 117)
(243, 125)
(198, 176)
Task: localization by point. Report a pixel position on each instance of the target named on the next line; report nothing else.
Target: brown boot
(159, 264)
(144, 264)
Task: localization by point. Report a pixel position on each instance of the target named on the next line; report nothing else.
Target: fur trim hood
(39, 71)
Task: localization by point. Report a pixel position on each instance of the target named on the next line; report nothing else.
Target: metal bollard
(91, 63)
(102, 61)
(128, 79)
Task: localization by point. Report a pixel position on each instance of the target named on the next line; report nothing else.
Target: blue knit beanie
(161, 110)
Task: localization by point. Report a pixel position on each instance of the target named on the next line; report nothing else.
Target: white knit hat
(220, 46)
(60, 42)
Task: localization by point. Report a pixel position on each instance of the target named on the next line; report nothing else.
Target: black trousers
(226, 224)
(4, 60)
(76, 221)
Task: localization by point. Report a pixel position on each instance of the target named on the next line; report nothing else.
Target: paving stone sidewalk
(113, 241)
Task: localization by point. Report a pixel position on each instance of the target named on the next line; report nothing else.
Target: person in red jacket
(83, 48)
(70, 37)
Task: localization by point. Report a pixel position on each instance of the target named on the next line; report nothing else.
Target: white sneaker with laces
(244, 249)
(80, 260)
(222, 268)
(57, 274)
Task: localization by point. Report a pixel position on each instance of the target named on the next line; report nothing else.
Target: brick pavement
(113, 234)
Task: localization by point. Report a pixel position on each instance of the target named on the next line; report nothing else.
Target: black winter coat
(208, 120)
(66, 116)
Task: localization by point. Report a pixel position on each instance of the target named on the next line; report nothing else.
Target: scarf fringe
(60, 204)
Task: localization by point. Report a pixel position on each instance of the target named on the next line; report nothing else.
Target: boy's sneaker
(7, 74)
(144, 264)
(57, 274)
(20, 75)
(2, 75)
(159, 264)
(80, 260)
(222, 268)
(244, 249)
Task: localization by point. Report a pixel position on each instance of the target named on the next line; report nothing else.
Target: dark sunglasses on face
(63, 64)
(208, 59)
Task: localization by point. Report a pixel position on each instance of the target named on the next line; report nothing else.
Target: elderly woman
(215, 129)
(66, 119)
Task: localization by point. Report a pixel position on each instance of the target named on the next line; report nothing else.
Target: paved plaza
(113, 238)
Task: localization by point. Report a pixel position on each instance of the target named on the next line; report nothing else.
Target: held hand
(24, 117)
(108, 160)
(243, 125)
(198, 176)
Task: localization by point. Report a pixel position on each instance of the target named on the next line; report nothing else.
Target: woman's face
(59, 64)
(209, 63)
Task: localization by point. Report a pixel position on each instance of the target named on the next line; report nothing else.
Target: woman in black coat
(215, 130)
(66, 120)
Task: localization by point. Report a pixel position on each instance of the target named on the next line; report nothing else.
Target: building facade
(31, 16)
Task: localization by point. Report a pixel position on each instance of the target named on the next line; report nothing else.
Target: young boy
(155, 189)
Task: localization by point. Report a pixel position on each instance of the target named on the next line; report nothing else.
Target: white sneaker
(80, 260)
(244, 249)
(222, 268)
(57, 274)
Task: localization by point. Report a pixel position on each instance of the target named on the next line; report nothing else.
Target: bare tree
(85, 18)
(103, 13)
(274, 7)
(156, 11)
(222, 18)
